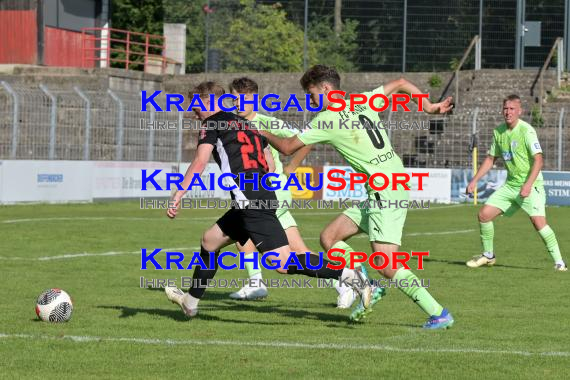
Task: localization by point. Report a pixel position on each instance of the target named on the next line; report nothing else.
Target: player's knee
(207, 241)
(483, 216)
(539, 223)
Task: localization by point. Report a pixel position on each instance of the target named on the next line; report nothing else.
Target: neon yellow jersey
(359, 137)
(517, 147)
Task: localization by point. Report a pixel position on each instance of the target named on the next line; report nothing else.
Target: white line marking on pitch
(191, 219)
(291, 345)
(117, 253)
(86, 254)
(364, 236)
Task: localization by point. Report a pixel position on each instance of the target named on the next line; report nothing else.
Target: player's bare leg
(487, 214)
(335, 235)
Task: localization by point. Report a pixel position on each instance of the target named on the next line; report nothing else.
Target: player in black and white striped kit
(236, 149)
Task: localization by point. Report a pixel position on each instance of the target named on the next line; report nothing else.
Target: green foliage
(435, 81)
(338, 51)
(260, 38)
(249, 35)
(537, 120)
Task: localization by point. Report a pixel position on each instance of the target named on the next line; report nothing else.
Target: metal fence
(389, 35)
(51, 123)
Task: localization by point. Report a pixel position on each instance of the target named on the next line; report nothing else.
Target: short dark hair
(320, 74)
(208, 87)
(244, 85)
(512, 97)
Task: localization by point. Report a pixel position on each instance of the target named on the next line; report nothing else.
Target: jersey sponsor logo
(514, 144)
(507, 156)
(536, 146)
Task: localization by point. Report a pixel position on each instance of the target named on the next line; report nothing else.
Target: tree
(260, 38)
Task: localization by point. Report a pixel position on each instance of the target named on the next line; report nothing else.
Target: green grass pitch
(511, 320)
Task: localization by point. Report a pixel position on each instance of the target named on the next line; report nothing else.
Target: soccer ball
(54, 305)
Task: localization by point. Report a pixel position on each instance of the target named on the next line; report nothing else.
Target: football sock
(347, 249)
(487, 233)
(418, 294)
(249, 266)
(549, 239)
(201, 276)
(314, 260)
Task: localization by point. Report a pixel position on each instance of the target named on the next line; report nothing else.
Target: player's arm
(534, 171)
(483, 169)
(198, 165)
(404, 86)
(269, 159)
(296, 160)
(286, 145)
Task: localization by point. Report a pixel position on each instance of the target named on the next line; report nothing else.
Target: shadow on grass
(462, 263)
(256, 307)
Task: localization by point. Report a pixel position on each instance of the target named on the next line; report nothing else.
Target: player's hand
(172, 211)
(525, 190)
(441, 107)
(471, 187)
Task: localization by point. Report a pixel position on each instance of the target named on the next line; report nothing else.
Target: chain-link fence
(365, 35)
(41, 123)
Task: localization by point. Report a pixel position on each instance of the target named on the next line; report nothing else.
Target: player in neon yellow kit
(368, 150)
(515, 141)
(277, 127)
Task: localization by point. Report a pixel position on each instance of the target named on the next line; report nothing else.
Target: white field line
(285, 345)
(99, 218)
(364, 236)
(86, 254)
(117, 253)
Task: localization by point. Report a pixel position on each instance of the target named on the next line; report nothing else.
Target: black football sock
(322, 272)
(201, 276)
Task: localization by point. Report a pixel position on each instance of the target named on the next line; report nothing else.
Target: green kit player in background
(515, 141)
(368, 150)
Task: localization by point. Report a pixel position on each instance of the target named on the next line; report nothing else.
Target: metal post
(478, 54)
(560, 62)
(567, 33)
(87, 122)
(120, 126)
(15, 129)
(560, 126)
(179, 142)
(475, 152)
(305, 37)
(456, 99)
(53, 121)
(480, 18)
(207, 36)
(405, 35)
(519, 33)
(150, 149)
(305, 48)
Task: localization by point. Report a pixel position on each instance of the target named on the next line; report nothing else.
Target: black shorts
(259, 225)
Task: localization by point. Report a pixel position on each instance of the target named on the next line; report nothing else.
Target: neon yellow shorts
(381, 224)
(508, 200)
